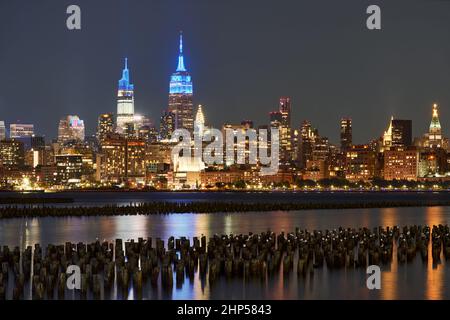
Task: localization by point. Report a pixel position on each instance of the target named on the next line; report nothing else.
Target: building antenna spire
(181, 66)
(181, 41)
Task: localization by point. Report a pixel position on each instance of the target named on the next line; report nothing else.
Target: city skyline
(405, 86)
(181, 95)
(256, 151)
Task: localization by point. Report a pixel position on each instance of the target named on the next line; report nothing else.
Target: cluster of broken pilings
(151, 263)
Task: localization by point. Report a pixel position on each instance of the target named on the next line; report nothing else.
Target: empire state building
(181, 94)
(125, 100)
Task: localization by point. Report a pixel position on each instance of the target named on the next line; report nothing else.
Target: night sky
(242, 54)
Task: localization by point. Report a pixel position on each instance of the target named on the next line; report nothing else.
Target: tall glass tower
(285, 129)
(181, 94)
(125, 101)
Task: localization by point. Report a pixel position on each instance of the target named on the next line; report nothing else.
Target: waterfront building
(181, 94)
(47, 175)
(282, 176)
(12, 154)
(346, 134)
(125, 101)
(71, 128)
(111, 164)
(360, 163)
(316, 170)
(401, 164)
(122, 161)
(105, 126)
(68, 169)
(214, 178)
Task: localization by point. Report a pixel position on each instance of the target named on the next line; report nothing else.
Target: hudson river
(413, 280)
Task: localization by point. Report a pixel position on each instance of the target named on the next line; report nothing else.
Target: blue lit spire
(181, 81)
(124, 83)
(181, 66)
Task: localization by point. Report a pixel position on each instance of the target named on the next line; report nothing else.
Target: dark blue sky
(242, 54)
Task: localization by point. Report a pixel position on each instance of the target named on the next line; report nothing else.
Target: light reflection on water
(413, 280)
(435, 273)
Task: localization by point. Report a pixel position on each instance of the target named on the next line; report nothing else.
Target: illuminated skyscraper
(398, 134)
(19, 130)
(123, 160)
(71, 128)
(281, 119)
(199, 125)
(11, 153)
(105, 126)
(387, 136)
(22, 132)
(125, 101)
(181, 94)
(285, 129)
(308, 136)
(276, 118)
(167, 126)
(401, 133)
(435, 132)
(2, 130)
(346, 134)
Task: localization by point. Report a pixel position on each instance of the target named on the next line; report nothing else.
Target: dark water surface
(416, 280)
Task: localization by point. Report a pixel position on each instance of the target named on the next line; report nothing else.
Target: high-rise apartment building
(12, 153)
(285, 129)
(346, 134)
(105, 126)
